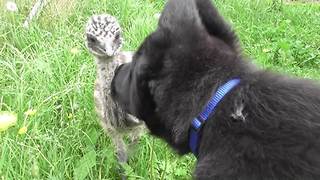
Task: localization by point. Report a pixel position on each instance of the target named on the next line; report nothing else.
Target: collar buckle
(197, 124)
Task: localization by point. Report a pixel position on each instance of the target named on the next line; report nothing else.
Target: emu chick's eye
(91, 39)
(117, 36)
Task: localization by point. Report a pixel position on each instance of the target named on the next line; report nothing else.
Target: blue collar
(199, 121)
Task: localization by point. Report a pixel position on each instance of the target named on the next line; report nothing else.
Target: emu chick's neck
(105, 70)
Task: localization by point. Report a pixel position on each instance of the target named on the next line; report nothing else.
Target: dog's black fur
(268, 127)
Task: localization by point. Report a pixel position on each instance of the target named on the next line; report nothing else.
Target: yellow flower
(74, 50)
(70, 115)
(7, 119)
(265, 50)
(23, 130)
(30, 112)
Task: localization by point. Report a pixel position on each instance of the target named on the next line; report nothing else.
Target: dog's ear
(215, 25)
(180, 18)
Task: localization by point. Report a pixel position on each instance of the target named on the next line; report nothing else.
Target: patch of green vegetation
(48, 69)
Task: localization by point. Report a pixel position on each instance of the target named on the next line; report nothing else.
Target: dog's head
(176, 67)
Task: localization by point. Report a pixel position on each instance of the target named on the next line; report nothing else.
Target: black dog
(266, 127)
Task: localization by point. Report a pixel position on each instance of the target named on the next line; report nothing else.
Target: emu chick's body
(113, 119)
(104, 42)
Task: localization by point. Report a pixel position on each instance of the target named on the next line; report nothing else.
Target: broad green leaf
(85, 165)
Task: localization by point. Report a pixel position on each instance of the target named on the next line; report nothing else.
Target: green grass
(39, 71)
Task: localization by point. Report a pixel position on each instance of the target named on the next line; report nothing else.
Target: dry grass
(60, 8)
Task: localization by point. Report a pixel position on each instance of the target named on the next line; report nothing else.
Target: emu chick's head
(103, 35)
